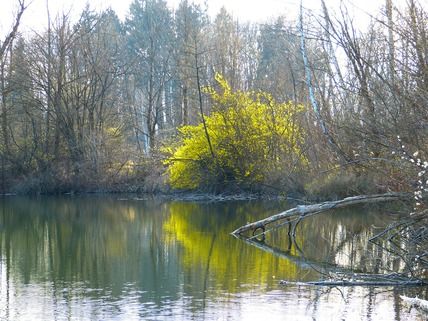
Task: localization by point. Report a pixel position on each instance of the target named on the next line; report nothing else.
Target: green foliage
(251, 135)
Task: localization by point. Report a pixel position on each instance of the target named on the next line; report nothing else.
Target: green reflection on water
(98, 256)
(101, 247)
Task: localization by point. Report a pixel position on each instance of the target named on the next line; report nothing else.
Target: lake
(124, 258)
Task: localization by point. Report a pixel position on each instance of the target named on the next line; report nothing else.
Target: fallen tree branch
(303, 210)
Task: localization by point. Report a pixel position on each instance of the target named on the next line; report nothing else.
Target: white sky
(255, 10)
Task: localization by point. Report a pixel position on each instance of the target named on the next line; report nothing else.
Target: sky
(245, 10)
(35, 17)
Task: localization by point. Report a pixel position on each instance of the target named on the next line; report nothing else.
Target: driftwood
(303, 210)
(416, 302)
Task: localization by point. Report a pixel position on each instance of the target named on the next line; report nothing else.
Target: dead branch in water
(407, 238)
(303, 210)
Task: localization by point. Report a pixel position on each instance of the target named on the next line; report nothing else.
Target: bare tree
(149, 42)
(6, 47)
(5, 54)
(314, 102)
(191, 23)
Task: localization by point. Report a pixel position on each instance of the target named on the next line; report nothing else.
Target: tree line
(105, 104)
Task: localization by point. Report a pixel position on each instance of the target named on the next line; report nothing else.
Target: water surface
(122, 258)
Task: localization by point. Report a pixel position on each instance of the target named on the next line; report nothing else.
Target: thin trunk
(333, 55)
(330, 139)
(150, 112)
(185, 117)
(4, 112)
(49, 93)
(201, 105)
(418, 40)
(6, 44)
(391, 57)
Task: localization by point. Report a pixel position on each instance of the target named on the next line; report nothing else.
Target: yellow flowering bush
(251, 137)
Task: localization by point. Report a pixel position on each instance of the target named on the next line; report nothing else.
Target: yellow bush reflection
(206, 245)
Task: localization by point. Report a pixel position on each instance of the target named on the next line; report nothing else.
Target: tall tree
(279, 70)
(6, 58)
(149, 34)
(77, 70)
(314, 102)
(227, 44)
(411, 73)
(191, 24)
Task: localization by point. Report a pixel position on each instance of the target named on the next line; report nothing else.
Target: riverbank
(153, 182)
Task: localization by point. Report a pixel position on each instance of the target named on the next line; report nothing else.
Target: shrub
(251, 137)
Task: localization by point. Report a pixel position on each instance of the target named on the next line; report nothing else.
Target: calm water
(107, 258)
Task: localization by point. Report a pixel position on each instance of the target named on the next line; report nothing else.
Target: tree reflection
(207, 245)
(103, 255)
(337, 245)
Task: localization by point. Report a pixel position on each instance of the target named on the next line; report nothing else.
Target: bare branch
(11, 36)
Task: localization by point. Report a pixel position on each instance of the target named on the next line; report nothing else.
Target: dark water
(107, 258)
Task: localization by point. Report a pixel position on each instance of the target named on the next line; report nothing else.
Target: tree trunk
(327, 135)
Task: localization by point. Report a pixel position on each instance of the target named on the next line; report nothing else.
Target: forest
(173, 100)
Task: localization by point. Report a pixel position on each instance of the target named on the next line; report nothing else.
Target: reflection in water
(90, 257)
(341, 239)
